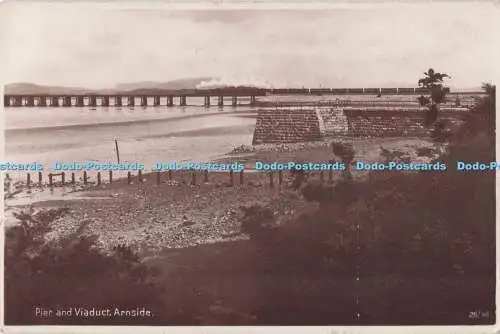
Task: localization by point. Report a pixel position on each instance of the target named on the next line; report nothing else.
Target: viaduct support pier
(92, 99)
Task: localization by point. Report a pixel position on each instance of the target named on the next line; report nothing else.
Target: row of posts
(158, 178)
(29, 101)
(220, 101)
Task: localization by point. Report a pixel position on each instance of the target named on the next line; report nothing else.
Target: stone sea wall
(395, 123)
(288, 125)
(302, 124)
(335, 121)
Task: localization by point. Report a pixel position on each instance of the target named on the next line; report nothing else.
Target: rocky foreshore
(176, 214)
(173, 215)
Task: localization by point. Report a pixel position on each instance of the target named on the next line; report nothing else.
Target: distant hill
(29, 88)
(132, 87)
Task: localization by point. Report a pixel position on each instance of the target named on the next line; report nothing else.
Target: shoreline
(14, 131)
(315, 151)
(178, 214)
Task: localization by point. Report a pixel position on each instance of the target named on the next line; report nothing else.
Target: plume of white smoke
(233, 82)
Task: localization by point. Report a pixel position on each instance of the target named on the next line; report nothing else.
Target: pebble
(243, 149)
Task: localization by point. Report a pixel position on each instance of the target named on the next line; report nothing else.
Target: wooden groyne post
(231, 178)
(280, 177)
(129, 177)
(98, 178)
(50, 180)
(117, 151)
(73, 181)
(40, 176)
(28, 180)
(85, 177)
(158, 178)
(110, 176)
(205, 173)
(241, 177)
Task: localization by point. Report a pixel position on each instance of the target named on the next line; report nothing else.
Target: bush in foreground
(71, 273)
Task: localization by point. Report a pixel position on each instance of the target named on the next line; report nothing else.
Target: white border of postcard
(263, 5)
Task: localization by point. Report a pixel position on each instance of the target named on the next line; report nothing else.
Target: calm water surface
(144, 134)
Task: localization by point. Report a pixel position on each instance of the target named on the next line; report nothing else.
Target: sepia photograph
(249, 164)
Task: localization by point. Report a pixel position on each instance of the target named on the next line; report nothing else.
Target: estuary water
(144, 134)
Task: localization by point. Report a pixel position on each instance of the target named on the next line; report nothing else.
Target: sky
(98, 45)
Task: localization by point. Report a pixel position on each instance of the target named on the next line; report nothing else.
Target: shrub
(256, 220)
(316, 191)
(299, 176)
(345, 151)
(426, 152)
(7, 187)
(71, 273)
(342, 192)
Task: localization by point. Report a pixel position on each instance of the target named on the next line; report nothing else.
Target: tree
(491, 91)
(488, 88)
(433, 81)
(346, 153)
